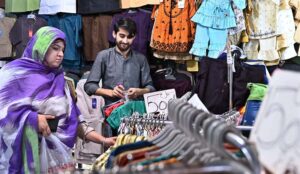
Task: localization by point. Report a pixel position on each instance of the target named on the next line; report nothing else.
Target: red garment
(108, 110)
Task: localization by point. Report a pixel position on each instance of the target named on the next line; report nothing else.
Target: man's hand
(134, 93)
(118, 91)
(43, 124)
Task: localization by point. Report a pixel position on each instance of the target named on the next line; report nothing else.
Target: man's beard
(123, 47)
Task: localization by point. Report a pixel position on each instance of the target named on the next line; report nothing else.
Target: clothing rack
(194, 138)
(147, 125)
(167, 122)
(146, 120)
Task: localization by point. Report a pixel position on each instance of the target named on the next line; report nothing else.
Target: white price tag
(158, 101)
(181, 3)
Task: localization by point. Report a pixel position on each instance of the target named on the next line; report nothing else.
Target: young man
(120, 68)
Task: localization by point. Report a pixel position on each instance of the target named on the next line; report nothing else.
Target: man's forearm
(104, 92)
(143, 91)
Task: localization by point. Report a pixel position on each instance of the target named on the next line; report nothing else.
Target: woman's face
(55, 54)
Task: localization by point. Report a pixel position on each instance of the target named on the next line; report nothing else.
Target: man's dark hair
(126, 24)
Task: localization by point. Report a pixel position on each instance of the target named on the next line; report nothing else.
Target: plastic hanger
(167, 130)
(180, 141)
(174, 133)
(189, 154)
(186, 142)
(168, 72)
(132, 10)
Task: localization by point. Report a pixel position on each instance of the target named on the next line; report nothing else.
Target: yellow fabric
(272, 63)
(295, 4)
(244, 37)
(121, 140)
(137, 3)
(172, 56)
(192, 66)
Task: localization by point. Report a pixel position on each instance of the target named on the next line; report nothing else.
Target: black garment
(23, 30)
(182, 83)
(213, 89)
(272, 68)
(97, 6)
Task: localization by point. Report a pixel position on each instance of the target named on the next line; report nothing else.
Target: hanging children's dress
(213, 18)
(286, 28)
(262, 19)
(296, 5)
(173, 30)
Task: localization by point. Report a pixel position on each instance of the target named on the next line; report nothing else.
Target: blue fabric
(205, 35)
(71, 24)
(217, 14)
(252, 108)
(124, 148)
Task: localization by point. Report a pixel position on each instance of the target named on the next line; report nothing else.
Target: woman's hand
(109, 141)
(43, 124)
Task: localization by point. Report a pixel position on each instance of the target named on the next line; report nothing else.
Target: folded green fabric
(12, 6)
(257, 91)
(126, 110)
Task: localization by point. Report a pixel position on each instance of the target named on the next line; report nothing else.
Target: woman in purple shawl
(32, 91)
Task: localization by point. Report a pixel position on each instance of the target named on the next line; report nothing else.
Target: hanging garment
(119, 150)
(71, 24)
(213, 18)
(137, 3)
(296, 5)
(97, 6)
(286, 30)
(208, 38)
(212, 85)
(2, 3)
(6, 25)
(257, 93)
(125, 110)
(95, 37)
(14, 6)
(101, 161)
(50, 7)
(217, 14)
(144, 28)
(108, 109)
(23, 30)
(236, 32)
(173, 30)
(240, 20)
(262, 49)
(263, 18)
(172, 56)
(182, 83)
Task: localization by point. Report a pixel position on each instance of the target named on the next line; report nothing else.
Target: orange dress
(173, 30)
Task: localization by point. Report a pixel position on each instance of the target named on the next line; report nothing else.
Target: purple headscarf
(28, 87)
